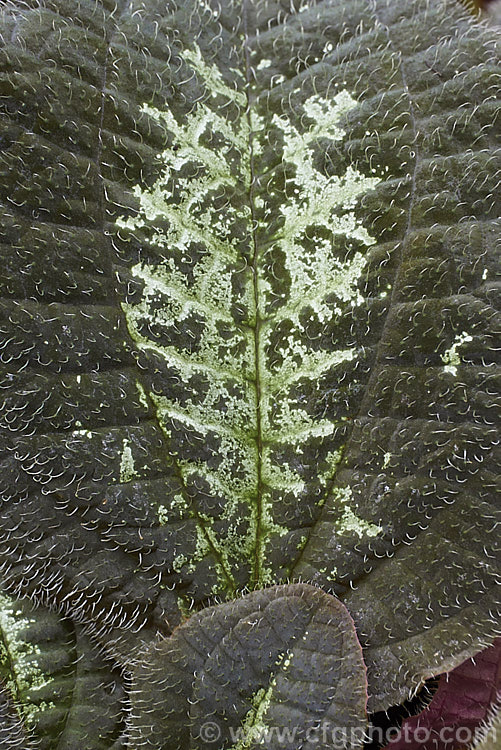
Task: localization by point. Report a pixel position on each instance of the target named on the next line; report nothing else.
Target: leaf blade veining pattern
(239, 327)
(276, 400)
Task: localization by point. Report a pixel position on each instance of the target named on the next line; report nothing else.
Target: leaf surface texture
(249, 306)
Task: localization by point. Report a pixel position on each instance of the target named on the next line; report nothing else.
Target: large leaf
(249, 308)
(279, 668)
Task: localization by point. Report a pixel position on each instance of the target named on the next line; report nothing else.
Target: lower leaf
(59, 694)
(278, 668)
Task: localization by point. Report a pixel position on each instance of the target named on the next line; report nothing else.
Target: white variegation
(127, 470)
(22, 658)
(451, 357)
(169, 298)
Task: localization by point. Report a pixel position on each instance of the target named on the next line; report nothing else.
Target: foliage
(249, 312)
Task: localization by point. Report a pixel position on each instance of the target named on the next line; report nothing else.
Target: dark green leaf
(249, 306)
(65, 693)
(12, 734)
(279, 668)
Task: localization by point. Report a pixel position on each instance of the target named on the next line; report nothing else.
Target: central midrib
(257, 569)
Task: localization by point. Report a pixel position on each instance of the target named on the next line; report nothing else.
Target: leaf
(459, 708)
(12, 733)
(249, 311)
(66, 696)
(245, 673)
(491, 739)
